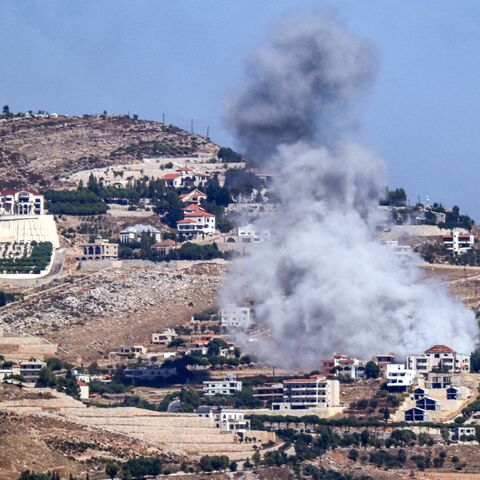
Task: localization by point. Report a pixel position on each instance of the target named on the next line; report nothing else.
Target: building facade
(21, 202)
(135, 233)
(99, 249)
(458, 242)
(399, 377)
(234, 317)
(228, 386)
(440, 358)
(196, 221)
(304, 393)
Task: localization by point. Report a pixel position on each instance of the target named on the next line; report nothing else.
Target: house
(196, 221)
(195, 196)
(234, 317)
(21, 202)
(230, 420)
(84, 389)
(457, 393)
(269, 392)
(228, 386)
(383, 360)
(30, 369)
(135, 233)
(419, 393)
(427, 403)
(149, 372)
(226, 419)
(439, 358)
(100, 249)
(173, 180)
(344, 365)
(416, 414)
(163, 248)
(130, 351)
(399, 377)
(165, 337)
(252, 234)
(462, 434)
(458, 242)
(442, 380)
(313, 392)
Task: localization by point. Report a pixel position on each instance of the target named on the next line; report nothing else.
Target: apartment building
(30, 369)
(149, 372)
(313, 392)
(229, 385)
(269, 392)
(234, 317)
(458, 242)
(21, 202)
(439, 358)
(252, 234)
(399, 377)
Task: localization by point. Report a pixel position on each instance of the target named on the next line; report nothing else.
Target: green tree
(111, 470)
(372, 370)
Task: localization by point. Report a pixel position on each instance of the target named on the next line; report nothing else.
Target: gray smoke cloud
(323, 283)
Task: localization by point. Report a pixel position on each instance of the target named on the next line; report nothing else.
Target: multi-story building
(21, 202)
(135, 233)
(252, 234)
(99, 249)
(399, 377)
(163, 248)
(234, 317)
(344, 365)
(269, 392)
(30, 369)
(228, 386)
(225, 419)
(196, 221)
(458, 242)
(439, 358)
(313, 392)
(130, 351)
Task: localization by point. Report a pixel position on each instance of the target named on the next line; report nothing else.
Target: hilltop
(37, 151)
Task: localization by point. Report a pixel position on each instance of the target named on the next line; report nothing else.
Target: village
(137, 251)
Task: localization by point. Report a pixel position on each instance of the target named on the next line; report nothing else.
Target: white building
(131, 350)
(84, 389)
(439, 358)
(234, 317)
(458, 242)
(134, 233)
(304, 393)
(228, 386)
(165, 337)
(252, 234)
(226, 419)
(195, 196)
(399, 377)
(196, 221)
(21, 202)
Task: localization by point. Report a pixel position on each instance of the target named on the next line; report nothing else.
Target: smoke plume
(323, 283)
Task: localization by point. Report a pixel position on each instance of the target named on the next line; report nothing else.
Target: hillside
(39, 151)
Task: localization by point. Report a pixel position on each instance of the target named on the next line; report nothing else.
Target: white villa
(21, 202)
(196, 221)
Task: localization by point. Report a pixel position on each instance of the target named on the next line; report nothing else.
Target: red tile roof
(440, 349)
(171, 176)
(199, 214)
(193, 206)
(186, 220)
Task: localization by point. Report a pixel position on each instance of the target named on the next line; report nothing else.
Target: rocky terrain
(90, 314)
(38, 152)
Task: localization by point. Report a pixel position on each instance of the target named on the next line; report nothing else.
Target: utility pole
(163, 118)
(208, 132)
(191, 126)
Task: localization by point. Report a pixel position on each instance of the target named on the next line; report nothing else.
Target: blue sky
(184, 57)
